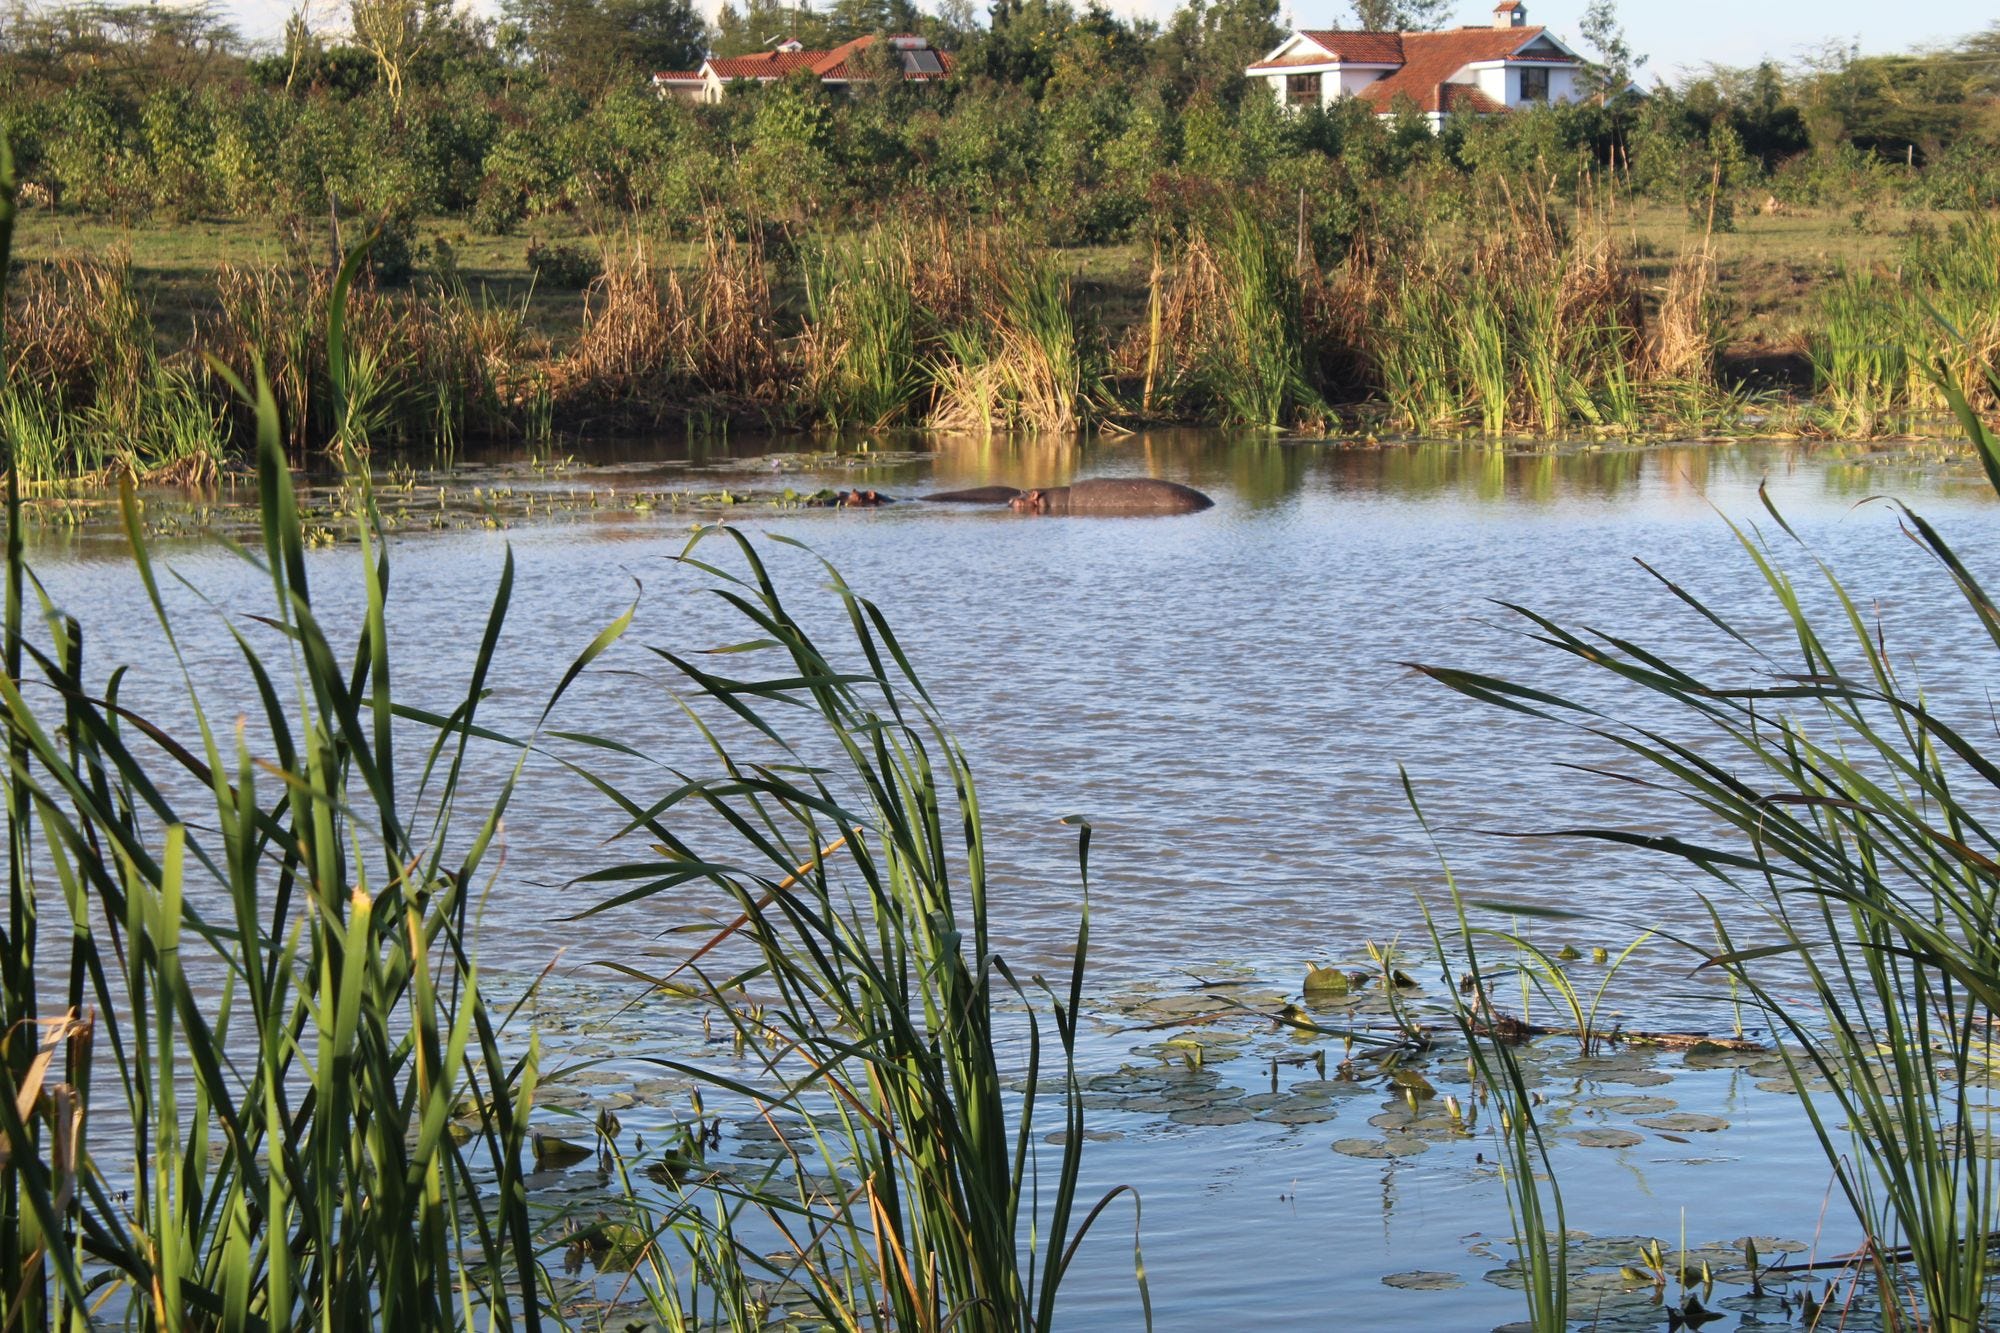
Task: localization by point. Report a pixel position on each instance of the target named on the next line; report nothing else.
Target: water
(1226, 697)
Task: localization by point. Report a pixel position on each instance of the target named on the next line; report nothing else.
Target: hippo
(847, 499)
(978, 495)
(1113, 495)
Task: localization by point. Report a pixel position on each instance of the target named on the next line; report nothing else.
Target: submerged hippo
(978, 495)
(1113, 495)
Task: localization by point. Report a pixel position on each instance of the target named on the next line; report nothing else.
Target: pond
(1226, 696)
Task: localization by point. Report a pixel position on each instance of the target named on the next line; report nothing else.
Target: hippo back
(1128, 495)
(978, 495)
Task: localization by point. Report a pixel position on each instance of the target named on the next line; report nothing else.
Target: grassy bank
(1768, 266)
(1535, 320)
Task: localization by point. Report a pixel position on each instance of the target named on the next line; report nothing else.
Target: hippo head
(1033, 502)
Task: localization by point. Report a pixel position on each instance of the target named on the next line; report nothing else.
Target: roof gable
(1433, 60)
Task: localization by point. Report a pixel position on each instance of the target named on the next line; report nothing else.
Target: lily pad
(1620, 1104)
(1323, 981)
(1379, 1149)
(1211, 1115)
(1606, 1138)
(1637, 1078)
(1305, 1111)
(1422, 1279)
(553, 1154)
(1684, 1122)
(1332, 1087)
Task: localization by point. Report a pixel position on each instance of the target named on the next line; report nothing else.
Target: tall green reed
(1255, 362)
(1534, 1197)
(1023, 362)
(1848, 811)
(1532, 333)
(1862, 369)
(853, 852)
(1886, 345)
(862, 365)
(242, 953)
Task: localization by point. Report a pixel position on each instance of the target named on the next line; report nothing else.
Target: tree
(137, 48)
(1207, 43)
(397, 33)
(758, 24)
(1402, 15)
(1611, 73)
(594, 44)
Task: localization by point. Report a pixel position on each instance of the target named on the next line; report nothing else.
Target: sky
(1679, 36)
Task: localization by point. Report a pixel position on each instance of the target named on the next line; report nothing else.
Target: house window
(1302, 90)
(1534, 85)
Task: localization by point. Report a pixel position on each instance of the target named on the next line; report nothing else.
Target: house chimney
(1510, 14)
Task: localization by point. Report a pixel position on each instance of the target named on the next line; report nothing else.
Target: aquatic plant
(1225, 335)
(1888, 344)
(1534, 1197)
(1862, 370)
(1018, 358)
(265, 988)
(861, 364)
(852, 851)
(1531, 331)
(1847, 809)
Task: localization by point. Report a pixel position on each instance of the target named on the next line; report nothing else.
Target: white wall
(1330, 84)
(1353, 81)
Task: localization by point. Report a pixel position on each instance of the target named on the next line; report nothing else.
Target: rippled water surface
(1226, 697)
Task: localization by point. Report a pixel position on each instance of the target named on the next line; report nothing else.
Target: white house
(837, 68)
(1480, 70)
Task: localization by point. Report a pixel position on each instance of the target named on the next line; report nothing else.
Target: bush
(558, 264)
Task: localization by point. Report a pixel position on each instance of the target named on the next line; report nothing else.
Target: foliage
(1097, 128)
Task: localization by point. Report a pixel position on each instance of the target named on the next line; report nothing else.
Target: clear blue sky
(1678, 35)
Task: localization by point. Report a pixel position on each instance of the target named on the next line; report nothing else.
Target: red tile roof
(1431, 58)
(1357, 48)
(1362, 48)
(763, 65)
(1466, 97)
(776, 64)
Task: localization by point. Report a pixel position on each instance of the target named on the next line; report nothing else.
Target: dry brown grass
(1685, 334)
(77, 326)
(634, 327)
(734, 346)
(1187, 299)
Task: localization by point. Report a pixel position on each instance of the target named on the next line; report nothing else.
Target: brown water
(1225, 696)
